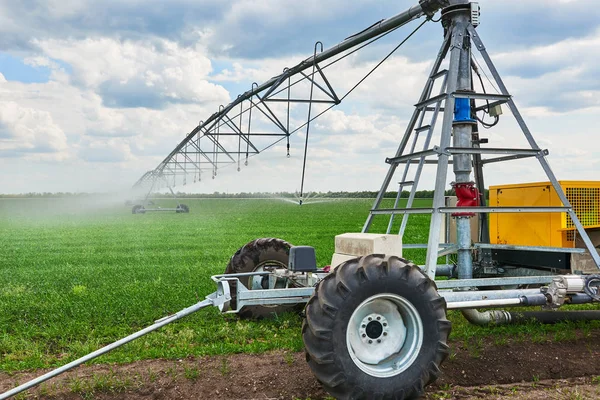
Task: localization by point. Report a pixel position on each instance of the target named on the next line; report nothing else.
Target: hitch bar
(218, 299)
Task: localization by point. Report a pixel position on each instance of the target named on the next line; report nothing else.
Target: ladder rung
(433, 109)
(439, 74)
(407, 183)
(412, 156)
(423, 128)
(432, 100)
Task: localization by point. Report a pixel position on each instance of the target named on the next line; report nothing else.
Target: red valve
(468, 196)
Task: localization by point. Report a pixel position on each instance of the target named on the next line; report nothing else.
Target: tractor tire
(182, 208)
(138, 209)
(253, 257)
(376, 329)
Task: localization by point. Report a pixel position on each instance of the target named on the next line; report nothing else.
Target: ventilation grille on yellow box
(586, 204)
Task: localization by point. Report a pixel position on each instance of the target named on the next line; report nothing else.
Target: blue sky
(93, 94)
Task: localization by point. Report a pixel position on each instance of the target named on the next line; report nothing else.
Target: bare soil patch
(476, 369)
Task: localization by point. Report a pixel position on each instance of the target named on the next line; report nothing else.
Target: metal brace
(439, 151)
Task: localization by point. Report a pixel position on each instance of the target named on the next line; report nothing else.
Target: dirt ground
(476, 369)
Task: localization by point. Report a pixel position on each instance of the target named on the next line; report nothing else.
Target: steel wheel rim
(384, 335)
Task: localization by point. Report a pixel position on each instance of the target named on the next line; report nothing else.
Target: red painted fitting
(468, 196)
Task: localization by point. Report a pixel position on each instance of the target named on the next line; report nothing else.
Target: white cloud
(109, 151)
(26, 131)
(240, 73)
(39, 61)
(148, 73)
(559, 77)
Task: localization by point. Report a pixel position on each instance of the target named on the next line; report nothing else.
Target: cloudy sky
(95, 93)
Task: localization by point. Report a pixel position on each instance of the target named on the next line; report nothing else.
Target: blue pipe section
(462, 110)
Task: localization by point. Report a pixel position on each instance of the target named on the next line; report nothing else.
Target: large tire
(253, 257)
(376, 329)
(182, 208)
(138, 209)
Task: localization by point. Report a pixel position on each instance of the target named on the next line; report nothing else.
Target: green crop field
(77, 274)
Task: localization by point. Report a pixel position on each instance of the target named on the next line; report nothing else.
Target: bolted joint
(430, 7)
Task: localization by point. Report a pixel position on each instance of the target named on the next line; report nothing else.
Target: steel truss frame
(230, 136)
(457, 43)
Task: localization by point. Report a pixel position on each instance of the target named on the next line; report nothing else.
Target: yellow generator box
(543, 229)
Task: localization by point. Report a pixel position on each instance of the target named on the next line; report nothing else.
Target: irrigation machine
(148, 182)
(375, 324)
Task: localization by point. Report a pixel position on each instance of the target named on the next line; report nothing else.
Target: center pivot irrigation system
(375, 326)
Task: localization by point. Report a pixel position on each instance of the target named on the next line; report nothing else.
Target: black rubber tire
(182, 208)
(328, 313)
(249, 258)
(138, 209)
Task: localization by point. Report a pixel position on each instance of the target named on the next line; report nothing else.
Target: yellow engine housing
(543, 229)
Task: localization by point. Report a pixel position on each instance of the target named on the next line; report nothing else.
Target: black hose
(592, 287)
(552, 317)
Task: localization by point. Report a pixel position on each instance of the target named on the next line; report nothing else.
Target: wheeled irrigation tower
(375, 326)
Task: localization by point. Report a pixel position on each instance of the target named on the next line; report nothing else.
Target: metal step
(439, 74)
(406, 183)
(423, 128)
(432, 100)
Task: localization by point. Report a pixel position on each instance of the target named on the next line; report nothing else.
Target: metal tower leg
(442, 166)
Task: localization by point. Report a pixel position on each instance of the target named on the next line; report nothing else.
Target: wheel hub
(374, 329)
(384, 335)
